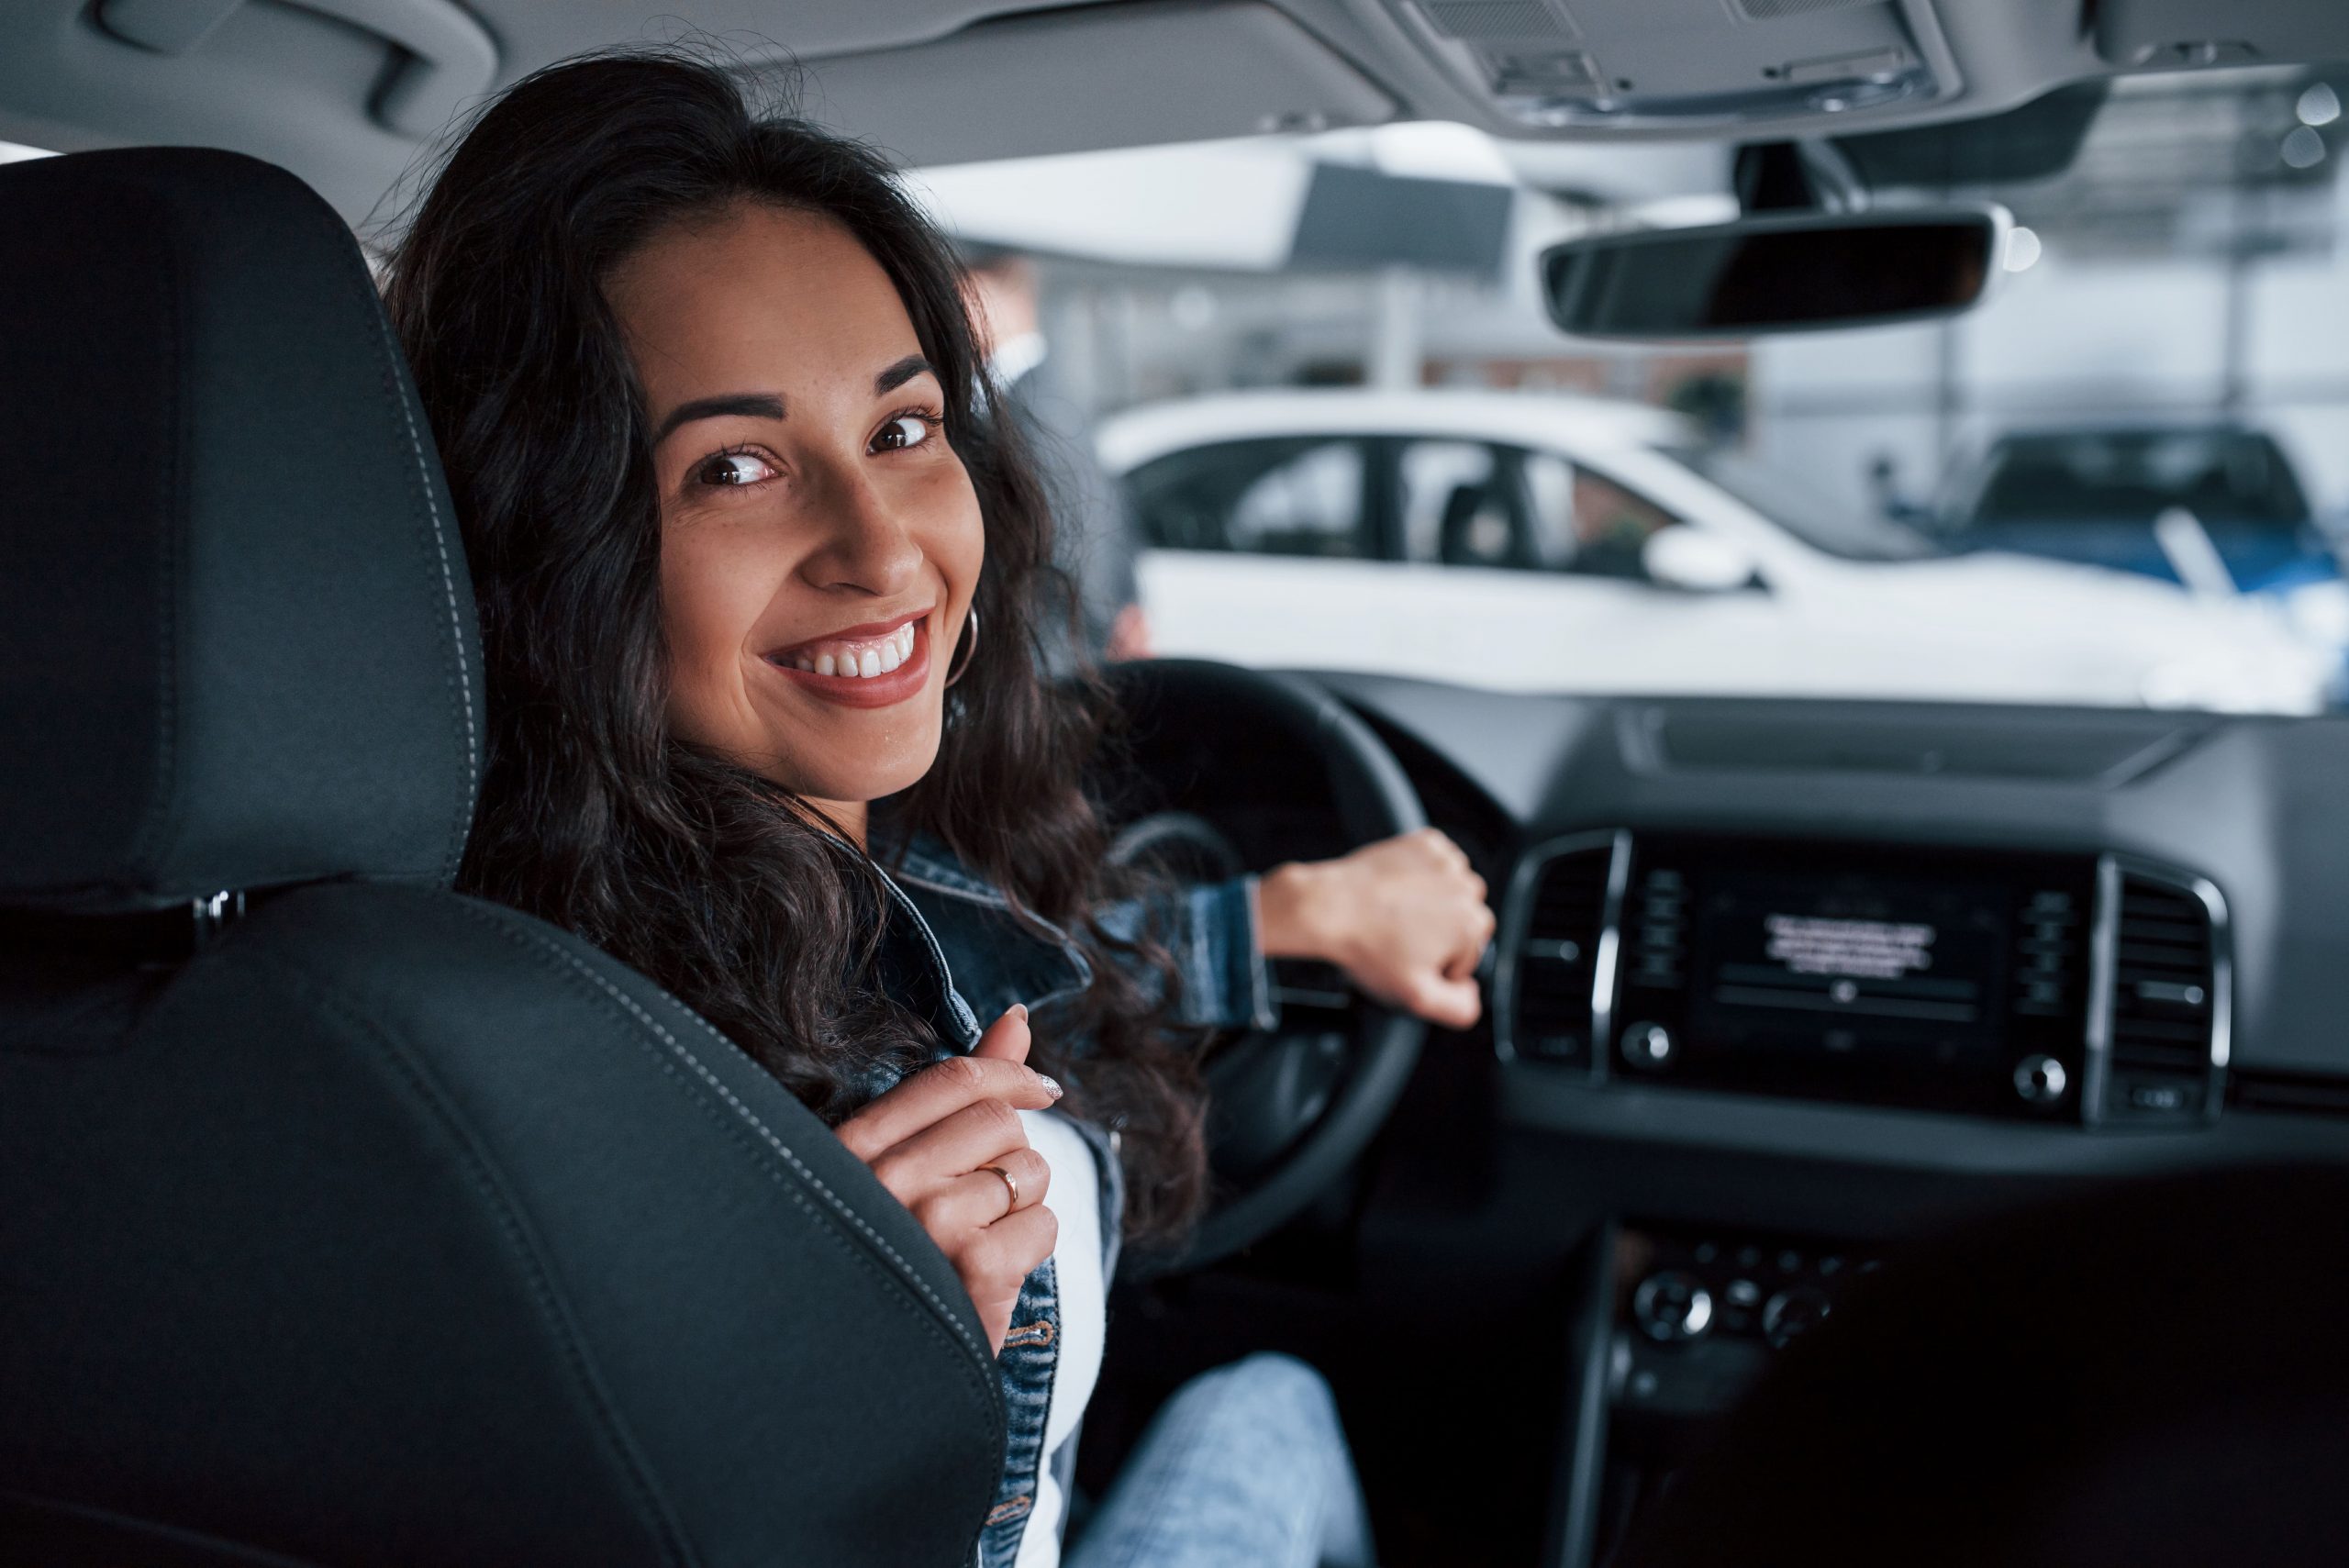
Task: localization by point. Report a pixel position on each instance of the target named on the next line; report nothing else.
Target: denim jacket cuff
(1226, 981)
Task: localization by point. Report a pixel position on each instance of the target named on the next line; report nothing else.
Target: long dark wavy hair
(594, 816)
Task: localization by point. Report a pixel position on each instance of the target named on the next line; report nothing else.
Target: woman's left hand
(1405, 917)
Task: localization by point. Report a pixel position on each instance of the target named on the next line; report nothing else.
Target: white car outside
(1325, 530)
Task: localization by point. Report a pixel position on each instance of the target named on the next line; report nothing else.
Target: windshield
(1330, 442)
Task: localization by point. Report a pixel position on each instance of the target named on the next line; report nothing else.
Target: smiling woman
(721, 445)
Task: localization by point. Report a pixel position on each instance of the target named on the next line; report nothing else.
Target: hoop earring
(965, 645)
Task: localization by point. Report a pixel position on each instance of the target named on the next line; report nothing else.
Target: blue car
(2098, 497)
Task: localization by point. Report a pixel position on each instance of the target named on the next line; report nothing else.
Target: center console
(2065, 996)
(1681, 1321)
(2072, 989)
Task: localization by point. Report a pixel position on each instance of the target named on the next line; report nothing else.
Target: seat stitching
(502, 921)
(330, 1000)
(171, 352)
(734, 1103)
(396, 394)
(668, 1066)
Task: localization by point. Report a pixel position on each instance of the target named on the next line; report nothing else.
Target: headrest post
(214, 914)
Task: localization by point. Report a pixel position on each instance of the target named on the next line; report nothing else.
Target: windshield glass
(1326, 441)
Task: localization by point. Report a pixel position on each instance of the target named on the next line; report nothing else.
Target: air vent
(1476, 20)
(2168, 1002)
(1557, 926)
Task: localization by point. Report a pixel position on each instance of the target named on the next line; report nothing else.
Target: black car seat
(344, 1219)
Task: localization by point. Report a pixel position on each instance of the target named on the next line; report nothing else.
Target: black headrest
(236, 638)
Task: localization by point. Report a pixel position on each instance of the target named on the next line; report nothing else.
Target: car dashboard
(2036, 929)
(1781, 986)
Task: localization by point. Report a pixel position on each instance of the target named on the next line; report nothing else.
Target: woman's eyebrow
(897, 374)
(733, 404)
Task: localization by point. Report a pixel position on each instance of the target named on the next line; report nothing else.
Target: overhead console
(1685, 64)
(2072, 989)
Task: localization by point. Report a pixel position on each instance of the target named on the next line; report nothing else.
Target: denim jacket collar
(999, 956)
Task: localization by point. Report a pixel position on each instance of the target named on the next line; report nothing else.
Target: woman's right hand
(930, 1141)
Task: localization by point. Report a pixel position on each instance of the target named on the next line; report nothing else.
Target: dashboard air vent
(1558, 919)
(2169, 999)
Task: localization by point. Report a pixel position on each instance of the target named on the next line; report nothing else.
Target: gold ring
(1009, 1181)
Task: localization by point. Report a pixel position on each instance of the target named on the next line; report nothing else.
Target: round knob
(1650, 1045)
(1793, 1312)
(1672, 1307)
(2040, 1080)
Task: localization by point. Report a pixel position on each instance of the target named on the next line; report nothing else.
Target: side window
(1299, 495)
(1593, 525)
(1460, 506)
(1471, 504)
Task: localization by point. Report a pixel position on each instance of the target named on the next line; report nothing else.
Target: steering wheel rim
(1374, 800)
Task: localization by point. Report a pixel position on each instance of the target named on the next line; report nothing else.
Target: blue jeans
(1245, 1467)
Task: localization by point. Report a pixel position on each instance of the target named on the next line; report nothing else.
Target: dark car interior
(344, 1219)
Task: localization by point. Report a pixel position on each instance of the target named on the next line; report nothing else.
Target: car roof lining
(302, 82)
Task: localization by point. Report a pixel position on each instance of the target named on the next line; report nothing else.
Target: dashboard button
(1792, 1313)
(2040, 1080)
(1650, 1046)
(1672, 1307)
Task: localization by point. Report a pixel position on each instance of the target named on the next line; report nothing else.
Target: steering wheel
(1230, 770)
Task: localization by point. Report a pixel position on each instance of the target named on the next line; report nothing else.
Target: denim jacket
(954, 950)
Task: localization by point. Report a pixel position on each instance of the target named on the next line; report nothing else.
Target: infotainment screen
(1926, 976)
(1851, 961)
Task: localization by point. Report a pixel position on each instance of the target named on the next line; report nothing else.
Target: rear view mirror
(1796, 273)
(1695, 562)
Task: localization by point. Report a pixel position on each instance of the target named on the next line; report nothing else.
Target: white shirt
(1074, 1199)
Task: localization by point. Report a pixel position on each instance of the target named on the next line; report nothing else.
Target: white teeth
(861, 663)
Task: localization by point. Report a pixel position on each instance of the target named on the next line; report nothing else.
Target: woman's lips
(897, 652)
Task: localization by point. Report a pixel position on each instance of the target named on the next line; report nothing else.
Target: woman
(760, 585)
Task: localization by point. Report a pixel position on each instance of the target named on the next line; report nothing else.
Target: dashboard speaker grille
(2166, 1000)
(1546, 1006)
(1480, 19)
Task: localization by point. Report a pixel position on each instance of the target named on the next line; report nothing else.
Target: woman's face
(819, 539)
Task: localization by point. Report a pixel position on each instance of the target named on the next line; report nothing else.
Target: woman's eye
(904, 430)
(734, 469)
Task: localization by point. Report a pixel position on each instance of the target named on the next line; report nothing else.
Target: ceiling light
(2320, 104)
(2022, 247)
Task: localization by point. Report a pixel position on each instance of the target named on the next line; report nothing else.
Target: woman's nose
(868, 544)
